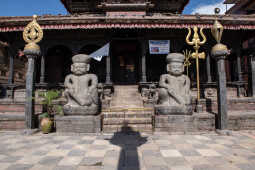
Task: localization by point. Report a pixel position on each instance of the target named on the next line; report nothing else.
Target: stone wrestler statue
(81, 88)
(174, 88)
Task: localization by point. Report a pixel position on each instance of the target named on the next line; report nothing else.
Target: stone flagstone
(159, 152)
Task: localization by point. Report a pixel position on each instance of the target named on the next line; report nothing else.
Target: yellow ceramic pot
(46, 125)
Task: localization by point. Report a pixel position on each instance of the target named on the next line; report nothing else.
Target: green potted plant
(46, 119)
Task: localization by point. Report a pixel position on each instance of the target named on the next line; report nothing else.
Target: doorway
(125, 61)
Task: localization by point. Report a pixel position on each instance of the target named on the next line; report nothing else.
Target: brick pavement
(128, 152)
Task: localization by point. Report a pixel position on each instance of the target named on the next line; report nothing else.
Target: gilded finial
(217, 31)
(217, 28)
(217, 11)
(32, 34)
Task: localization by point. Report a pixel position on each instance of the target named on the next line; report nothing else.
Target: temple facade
(128, 26)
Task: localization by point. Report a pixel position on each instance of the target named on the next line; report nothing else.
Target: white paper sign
(159, 46)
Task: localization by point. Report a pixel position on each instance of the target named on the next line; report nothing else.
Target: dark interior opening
(125, 61)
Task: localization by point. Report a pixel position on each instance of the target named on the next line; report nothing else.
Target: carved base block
(173, 110)
(185, 123)
(83, 111)
(78, 124)
(199, 108)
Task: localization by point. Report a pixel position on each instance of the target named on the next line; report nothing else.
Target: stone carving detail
(81, 88)
(149, 94)
(174, 88)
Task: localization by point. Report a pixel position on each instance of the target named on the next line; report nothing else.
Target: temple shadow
(3, 91)
(129, 141)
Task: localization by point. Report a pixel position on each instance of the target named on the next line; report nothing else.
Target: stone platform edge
(78, 124)
(203, 122)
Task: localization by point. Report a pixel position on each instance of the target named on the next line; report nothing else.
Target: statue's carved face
(175, 68)
(80, 68)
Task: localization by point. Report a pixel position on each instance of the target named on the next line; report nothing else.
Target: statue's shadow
(129, 141)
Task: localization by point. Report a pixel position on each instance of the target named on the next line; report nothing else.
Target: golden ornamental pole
(32, 35)
(196, 43)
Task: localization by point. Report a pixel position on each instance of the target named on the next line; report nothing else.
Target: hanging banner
(159, 46)
(100, 53)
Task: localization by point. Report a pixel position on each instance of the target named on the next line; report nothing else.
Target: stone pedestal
(199, 108)
(184, 123)
(78, 124)
(172, 110)
(80, 110)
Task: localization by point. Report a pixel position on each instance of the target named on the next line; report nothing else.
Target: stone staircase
(126, 112)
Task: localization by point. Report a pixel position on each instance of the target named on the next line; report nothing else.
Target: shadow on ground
(129, 141)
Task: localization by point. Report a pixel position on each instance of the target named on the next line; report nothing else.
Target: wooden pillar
(42, 75)
(108, 79)
(11, 67)
(239, 70)
(252, 65)
(208, 68)
(143, 64)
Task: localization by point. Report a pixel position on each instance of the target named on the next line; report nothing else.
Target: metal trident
(196, 43)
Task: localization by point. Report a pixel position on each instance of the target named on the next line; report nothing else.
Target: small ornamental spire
(32, 34)
(217, 31)
(217, 28)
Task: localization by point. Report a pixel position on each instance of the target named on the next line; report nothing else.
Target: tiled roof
(235, 22)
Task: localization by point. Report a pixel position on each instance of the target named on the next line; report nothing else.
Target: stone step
(127, 114)
(129, 128)
(126, 104)
(127, 121)
(12, 121)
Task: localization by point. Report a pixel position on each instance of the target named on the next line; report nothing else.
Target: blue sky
(54, 7)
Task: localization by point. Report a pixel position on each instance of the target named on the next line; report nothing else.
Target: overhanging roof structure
(88, 22)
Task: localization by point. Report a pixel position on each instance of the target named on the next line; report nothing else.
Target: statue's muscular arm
(94, 82)
(187, 87)
(68, 82)
(164, 81)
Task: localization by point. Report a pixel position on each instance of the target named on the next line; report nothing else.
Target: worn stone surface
(133, 151)
(81, 88)
(174, 97)
(78, 124)
(185, 123)
(203, 122)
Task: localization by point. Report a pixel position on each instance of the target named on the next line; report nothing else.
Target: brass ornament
(219, 47)
(217, 31)
(32, 34)
(196, 43)
(187, 63)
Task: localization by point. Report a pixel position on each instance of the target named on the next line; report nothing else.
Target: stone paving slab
(133, 151)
